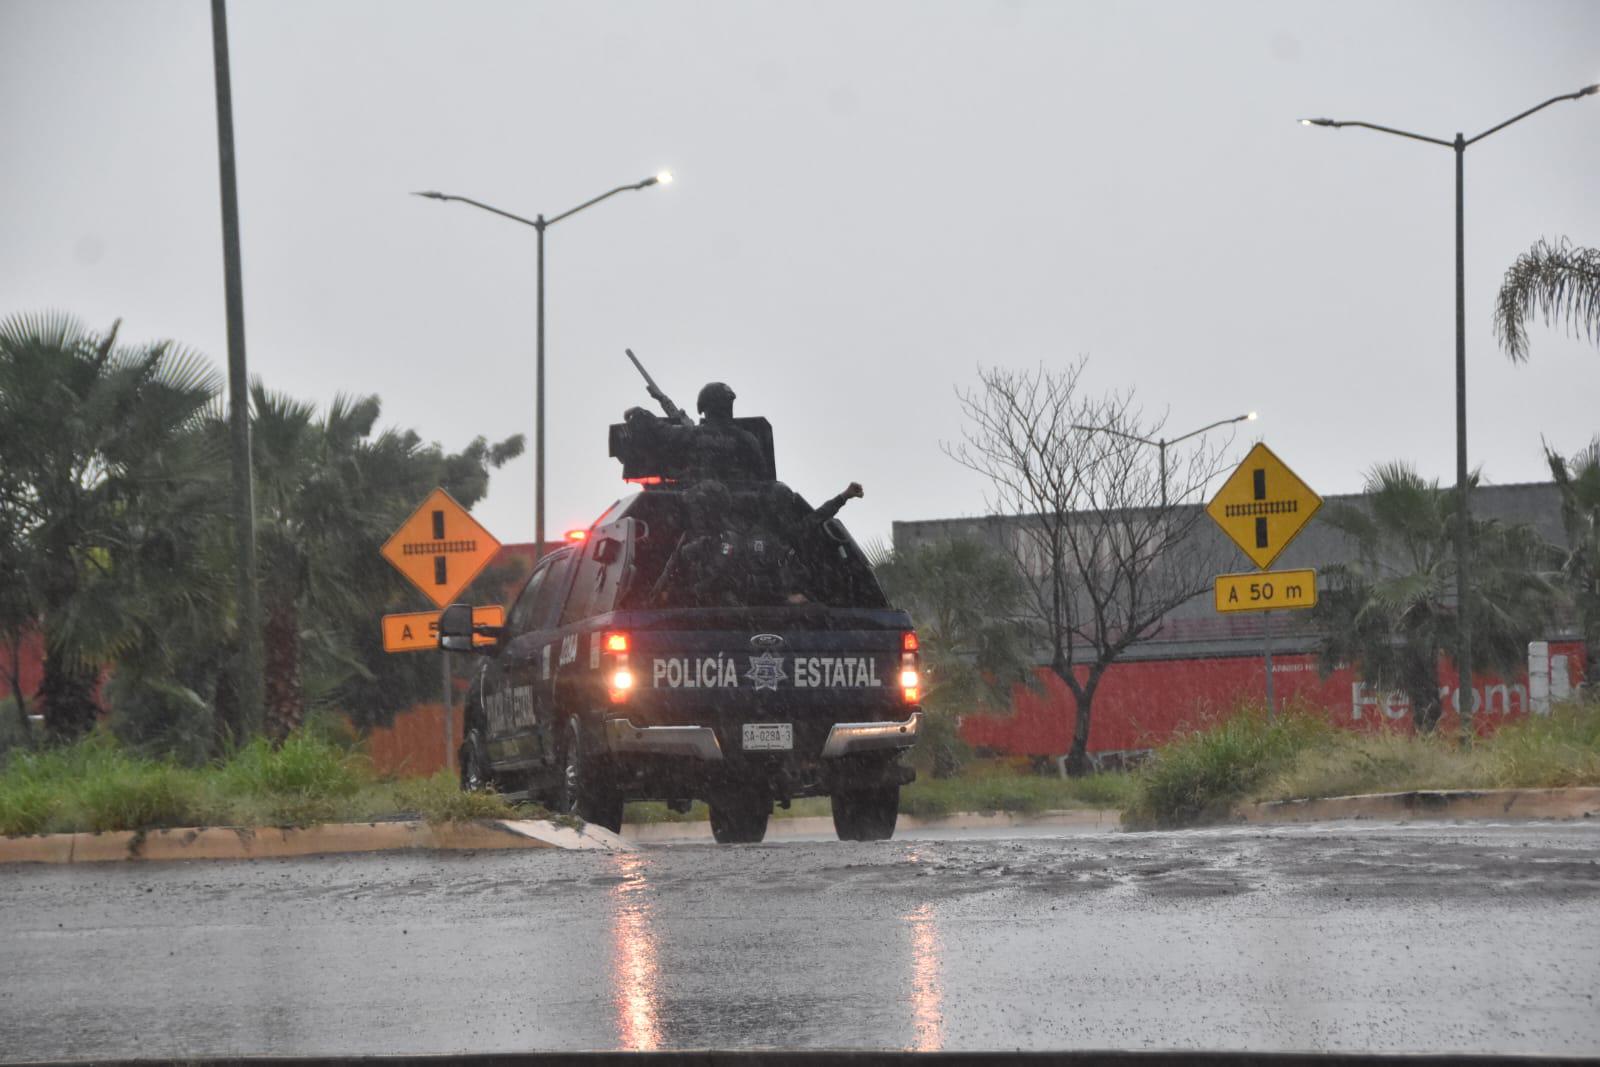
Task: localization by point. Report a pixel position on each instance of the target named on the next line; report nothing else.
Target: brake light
(620, 676)
(910, 677)
(577, 535)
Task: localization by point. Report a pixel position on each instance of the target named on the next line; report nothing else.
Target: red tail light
(618, 675)
(577, 535)
(910, 677)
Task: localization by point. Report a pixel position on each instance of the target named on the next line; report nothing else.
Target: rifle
(674, 412)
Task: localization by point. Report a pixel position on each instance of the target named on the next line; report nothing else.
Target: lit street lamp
(1464, 692)
(540, 223)
(1162, 443)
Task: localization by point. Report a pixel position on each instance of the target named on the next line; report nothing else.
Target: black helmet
(715, 399)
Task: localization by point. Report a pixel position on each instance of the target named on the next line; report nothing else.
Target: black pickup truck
(598, 691)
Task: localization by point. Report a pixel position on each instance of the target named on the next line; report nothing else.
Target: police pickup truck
(608, 685)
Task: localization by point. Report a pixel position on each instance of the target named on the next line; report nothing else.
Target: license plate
(768, 736)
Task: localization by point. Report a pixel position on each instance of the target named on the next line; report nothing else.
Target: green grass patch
(440, 799)
(313, 777)
(1200, 777)
(1026, 794)
(984, 788)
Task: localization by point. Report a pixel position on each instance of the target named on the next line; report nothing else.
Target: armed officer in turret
(718, 447)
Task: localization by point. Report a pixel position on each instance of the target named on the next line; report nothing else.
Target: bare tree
(1107, 549)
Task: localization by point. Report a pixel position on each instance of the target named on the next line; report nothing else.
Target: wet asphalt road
(1344, 937)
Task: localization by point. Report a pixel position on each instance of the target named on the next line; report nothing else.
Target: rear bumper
(698, 742)
(848, 738)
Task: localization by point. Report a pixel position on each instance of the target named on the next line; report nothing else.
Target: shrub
(136, 795)
(305, 765)
(26, 807)
(160, 718)
(1559, 749)
(1201, 775)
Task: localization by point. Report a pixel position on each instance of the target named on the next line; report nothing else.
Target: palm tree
(1579, 482)
(330, 489)
(1391, 610)
(97, 441)
(1558, 281)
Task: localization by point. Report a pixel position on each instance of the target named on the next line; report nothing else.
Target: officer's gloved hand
(855, 490)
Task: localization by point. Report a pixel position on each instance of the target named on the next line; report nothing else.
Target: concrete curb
(223, 843)
(813, 825)
(1575, 803)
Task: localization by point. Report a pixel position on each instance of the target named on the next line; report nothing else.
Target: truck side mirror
(607, 550)
(455, 628)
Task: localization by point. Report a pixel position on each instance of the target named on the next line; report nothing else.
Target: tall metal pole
(251, 717)
(1266, 648)
(1464, 691)
(449, 716)
(1161, 449)
(538, 412)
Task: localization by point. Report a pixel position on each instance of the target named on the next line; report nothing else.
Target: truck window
(594, 590)
(517, 624)
(547, 597)
(536, 603)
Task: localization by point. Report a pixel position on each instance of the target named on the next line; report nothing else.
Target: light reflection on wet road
(1343, 937)
(633, 967)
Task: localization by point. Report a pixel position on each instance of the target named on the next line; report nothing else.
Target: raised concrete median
(225, 843)
(1573, 803)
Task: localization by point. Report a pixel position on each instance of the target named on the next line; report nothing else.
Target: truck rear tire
(740, 819)
(866, 814)
(582, 790)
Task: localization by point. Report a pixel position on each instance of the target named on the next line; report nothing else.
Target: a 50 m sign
(1267, 590)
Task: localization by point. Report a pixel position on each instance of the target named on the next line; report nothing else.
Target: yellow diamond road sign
(440, 548)
(1263, 505)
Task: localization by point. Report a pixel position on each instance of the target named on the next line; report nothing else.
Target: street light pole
(538, 409)
(1162, 443)
(540, 224)
(1465, 694)
(251, 710)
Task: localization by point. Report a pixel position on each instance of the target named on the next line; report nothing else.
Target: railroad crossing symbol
(440, 548)
(1263, 505)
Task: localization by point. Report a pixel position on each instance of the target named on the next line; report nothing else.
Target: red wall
(413, 746)
(1141, 704)
(31, 663)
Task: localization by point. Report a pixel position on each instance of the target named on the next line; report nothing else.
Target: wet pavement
(1341, 937)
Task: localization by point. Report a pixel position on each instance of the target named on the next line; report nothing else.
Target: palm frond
(1558, 281)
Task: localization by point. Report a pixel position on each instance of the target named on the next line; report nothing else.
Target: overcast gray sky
(872, 199)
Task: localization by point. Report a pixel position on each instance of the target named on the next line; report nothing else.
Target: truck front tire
(866, 814)
(582, 790)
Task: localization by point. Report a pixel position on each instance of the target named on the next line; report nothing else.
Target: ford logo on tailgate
(765, 641)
